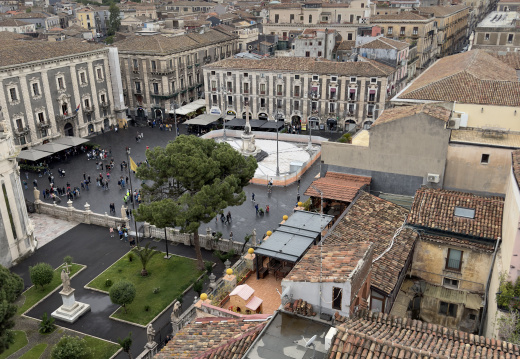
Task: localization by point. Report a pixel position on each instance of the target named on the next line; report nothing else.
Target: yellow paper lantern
(203, 296)
(285, 217)
(300, 204)
(229, 271)
(251, 250)
(269, 233)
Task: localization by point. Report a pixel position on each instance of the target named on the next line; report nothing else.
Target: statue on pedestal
(150, 333)
(65, 279)
(176, 312)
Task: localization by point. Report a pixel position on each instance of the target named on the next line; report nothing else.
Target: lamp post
(173, 107)
(223, 90)
(310, 135)
(278, 117)
(132, 199)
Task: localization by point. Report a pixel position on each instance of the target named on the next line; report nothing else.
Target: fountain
(249, 147)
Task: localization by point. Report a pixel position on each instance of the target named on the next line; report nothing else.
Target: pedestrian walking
(111, 232)
(126, 236)
(120, 235)
(26, 175)
(84, 176)
(222, 218)
(35, 183)
(228, 217)
(252, 197)
(231, 236)
(256, 207)
(298, 198)
(25, 184)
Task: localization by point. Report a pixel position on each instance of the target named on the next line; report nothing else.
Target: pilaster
(26, 97)
(47, 95)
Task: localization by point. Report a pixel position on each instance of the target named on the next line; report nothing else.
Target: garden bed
(171, 276)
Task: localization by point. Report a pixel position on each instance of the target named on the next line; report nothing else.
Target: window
(154, 65)
(296, 91)
(349, 36)
(246, 74)
(332, 107)
(19, 124)
(296, 77)
(310, 43)
(262, 89)
(262, 75)
(315, 78)
(402, 31)
(415, 31)
(213, 85)
(382, 31)
(103, 98)
(36, 89)
(334, 78)
(82, 78)
(336, 298)
(291, 18)
(319, 43)
(390, 30)
(472, 316)
(246, 88)
(138, 87)
(276, 18)
(319, 53)
(486, 37)
(377, 302)
(279, 76)
(454, 259)
(296, 105)
(448, 309)
(464, 212)
(353, 80)
(173, 86)
(228, 74)
(41, 117)
(307, 54)
(155, 88)
(99, 74)
(212, 73)
(136, 64)
(230, 100)
(450, 282)
(510, 38)
(279, 90)
(310, 19)
(214, 99)
(262, 102)
(314, 106)
(87, 103)
(279, 103)
(13, 95)
(484, 159)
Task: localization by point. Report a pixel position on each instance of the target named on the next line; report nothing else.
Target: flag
(77, 108)
(133, 166)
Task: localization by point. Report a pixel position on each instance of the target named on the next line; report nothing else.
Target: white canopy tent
(191, 107)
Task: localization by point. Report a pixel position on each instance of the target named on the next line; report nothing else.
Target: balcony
(197, 64)
(279, 94)
(415, 36)
(189, 67)
(43, 124)
(222, 56)
(105, 104)
(137, 91)
(207, 59)
(370, 114)
(66, 118)
(135, 70)
(20, 131)
(164, 96)
(333, 97)
(262, 92)
(88, 110)
(159, 72)
(296, 94)
(314, 95)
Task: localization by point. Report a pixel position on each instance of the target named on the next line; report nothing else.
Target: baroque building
(159, 71)
(320, 94)
(53, 89)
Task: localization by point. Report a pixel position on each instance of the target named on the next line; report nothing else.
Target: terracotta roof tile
(220, 339)
(373, 219)
(470, 77)
(516, 166)
(433, 110)
(303, 64)
(13, 22)
(435, 209)
(405, 15)
(457, 242)
(510, 58)
(384, 43)
(378, 335)
(329, 263)
(338, 186)
(441, 11)
(346, 45)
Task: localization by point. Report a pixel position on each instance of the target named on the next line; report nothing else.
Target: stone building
(452, 27)
(17, 26)
(300, 90)
(315, 43)
(413, 28)
(52, 89)
(508, 5)
(16, 230)
(499, 31)
(41, 20)
(160, 70)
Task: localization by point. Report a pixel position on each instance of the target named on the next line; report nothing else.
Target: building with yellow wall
(87, 19)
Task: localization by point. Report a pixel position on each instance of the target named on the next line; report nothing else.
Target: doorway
(68, 129)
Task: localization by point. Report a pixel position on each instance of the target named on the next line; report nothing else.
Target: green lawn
(20, 340)
(35, 352)
(100, 348)
(172, 276)
(33, 294)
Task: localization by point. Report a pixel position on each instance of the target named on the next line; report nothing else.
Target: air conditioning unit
(433, 178)
(454, 123)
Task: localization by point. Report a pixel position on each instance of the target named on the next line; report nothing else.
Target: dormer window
(334, 79)
(373, 80)
(315, 78)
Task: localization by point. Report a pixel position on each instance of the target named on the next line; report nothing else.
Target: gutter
(484, 312)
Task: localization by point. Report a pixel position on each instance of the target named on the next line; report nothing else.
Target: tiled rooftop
(346, 45)
(329, 263)
(435, 209)
(307, 65)
(441, 11)
(161, 44)
(265, 289)
(510, 58)
(405, 15)
(223, 338)
(378, 335)
(373, 219)
(14, 52)
(13, 22)
(338, 186)
(243, 291)
(434, 110)
(384, 43)
(458, 242)
(470, 77)
(476, 136)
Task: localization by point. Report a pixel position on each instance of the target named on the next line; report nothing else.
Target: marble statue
(176, 312)
(65, 279)
(150, 333)
(253, 237)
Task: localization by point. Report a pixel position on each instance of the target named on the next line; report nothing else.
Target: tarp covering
(52, 147)
(202, 120)
(71, 141)
(191, 107)
(32, 155)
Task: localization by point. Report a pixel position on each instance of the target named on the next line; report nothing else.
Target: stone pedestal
(248, 145)
(250, 260)
(71, 310)
(230, 281)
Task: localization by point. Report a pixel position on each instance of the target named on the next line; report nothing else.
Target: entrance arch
(350, 125)
(158, 113)
(367, 125)
(314, 123)
(106, 124)
(140, 112)
(296, 120)
(263, 116)
(244, 115)
(231, 112)
(90, 129)
(68, 129)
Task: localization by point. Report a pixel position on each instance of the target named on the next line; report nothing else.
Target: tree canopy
(192, 180)
(114, 20)
(41, 274)
(122, 293)
(11, 286)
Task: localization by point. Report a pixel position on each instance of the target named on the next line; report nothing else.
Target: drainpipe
(484, 312)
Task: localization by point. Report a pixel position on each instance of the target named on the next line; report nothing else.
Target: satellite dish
(309, 343)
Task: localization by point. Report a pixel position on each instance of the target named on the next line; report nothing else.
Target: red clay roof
(338, 186)
(435, 209)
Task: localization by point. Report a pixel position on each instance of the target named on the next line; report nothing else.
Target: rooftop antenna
(309, 343)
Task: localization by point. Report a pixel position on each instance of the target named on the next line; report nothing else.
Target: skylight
(465, 212)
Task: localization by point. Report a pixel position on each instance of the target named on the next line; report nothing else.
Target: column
(146, 88)
(26, 98)
(47, 95)
(75, 101)
(94, 94)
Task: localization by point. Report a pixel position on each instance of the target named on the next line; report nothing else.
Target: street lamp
(278, 117)
(173, 106)
(223, 90)
(132, 199)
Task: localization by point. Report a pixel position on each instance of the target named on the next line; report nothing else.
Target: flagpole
(132, 199)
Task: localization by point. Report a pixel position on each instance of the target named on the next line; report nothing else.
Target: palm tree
(145, 254)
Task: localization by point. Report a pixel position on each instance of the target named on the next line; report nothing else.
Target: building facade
(499, 31)
(413, 28)
(318, 13)
(159, 71)
(452, 27)
(61, 88)
(42, 21)
(315, 43)
(319, 94)
(17, 26)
